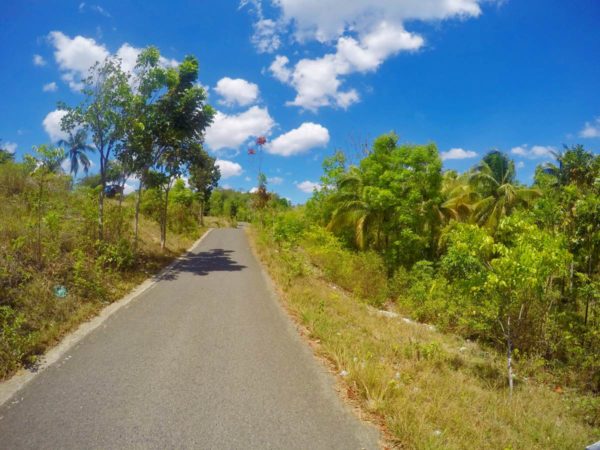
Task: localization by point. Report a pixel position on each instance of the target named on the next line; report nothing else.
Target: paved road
(204, 359)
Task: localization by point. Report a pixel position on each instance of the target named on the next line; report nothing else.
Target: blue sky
(318, 75)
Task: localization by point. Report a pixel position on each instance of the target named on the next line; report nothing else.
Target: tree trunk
(137, 217)
(163, 228)
(101, 214)
(201, 215)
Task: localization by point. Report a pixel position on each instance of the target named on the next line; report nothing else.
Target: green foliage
(14, 340)
(475, 253)
(361, 273)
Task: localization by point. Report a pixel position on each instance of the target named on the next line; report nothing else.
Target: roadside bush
(118, 256)
(289, 227)
(14, 341)
(363, 273)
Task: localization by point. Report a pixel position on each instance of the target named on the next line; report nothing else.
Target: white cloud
(300, 140)
(266, 37)
(50, 87)
(10, 147)
(228, 169)
(365, 34)
(75, 56)
(275, 180)
(318, 81)
(591, 129)
(280, 70)
(236, 91)
(520, 165)
(129, 55)
(38, 60)
(231, 131)
(253, 190)
(308, 186)
(457, 153)
(325, 20)
(51, 124)
(535, 152)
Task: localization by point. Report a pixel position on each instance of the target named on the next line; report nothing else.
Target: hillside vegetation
(54, 272)
(509, 273)
(67, 248)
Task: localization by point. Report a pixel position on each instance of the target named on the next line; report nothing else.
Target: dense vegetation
(67, 248)
(516, 267)
(494, 269)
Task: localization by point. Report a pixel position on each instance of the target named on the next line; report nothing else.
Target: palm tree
(77, 148)
(459, 197)
(573, 165)
(493, 179)
(355, 212)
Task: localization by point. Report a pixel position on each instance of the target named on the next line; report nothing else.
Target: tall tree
(45, 164)
(494, 180)
(168, 116)
(204, 177)
(391, 199)
(103, 113)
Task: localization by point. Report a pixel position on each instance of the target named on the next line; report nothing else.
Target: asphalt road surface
(204, 359)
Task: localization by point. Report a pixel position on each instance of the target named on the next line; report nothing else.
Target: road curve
(204, 359)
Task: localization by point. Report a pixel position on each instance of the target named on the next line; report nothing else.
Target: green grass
(427, 389)
(32, 318)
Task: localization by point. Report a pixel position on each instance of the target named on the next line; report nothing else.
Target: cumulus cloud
(236, 91)
(300, 140)
(365, 34)
(51, 124)
(591, 129)
(75, 56)
(50, 87)
(457, 153)
(231, 131)
(10, 147)
(318, 82)
(228, 169)
(308, 186)
(534, 152)
(38, 60)
(325, 20)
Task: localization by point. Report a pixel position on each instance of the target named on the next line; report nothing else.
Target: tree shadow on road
(203, 263)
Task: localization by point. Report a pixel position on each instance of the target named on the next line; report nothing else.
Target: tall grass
(428, 389)
(51, 242)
